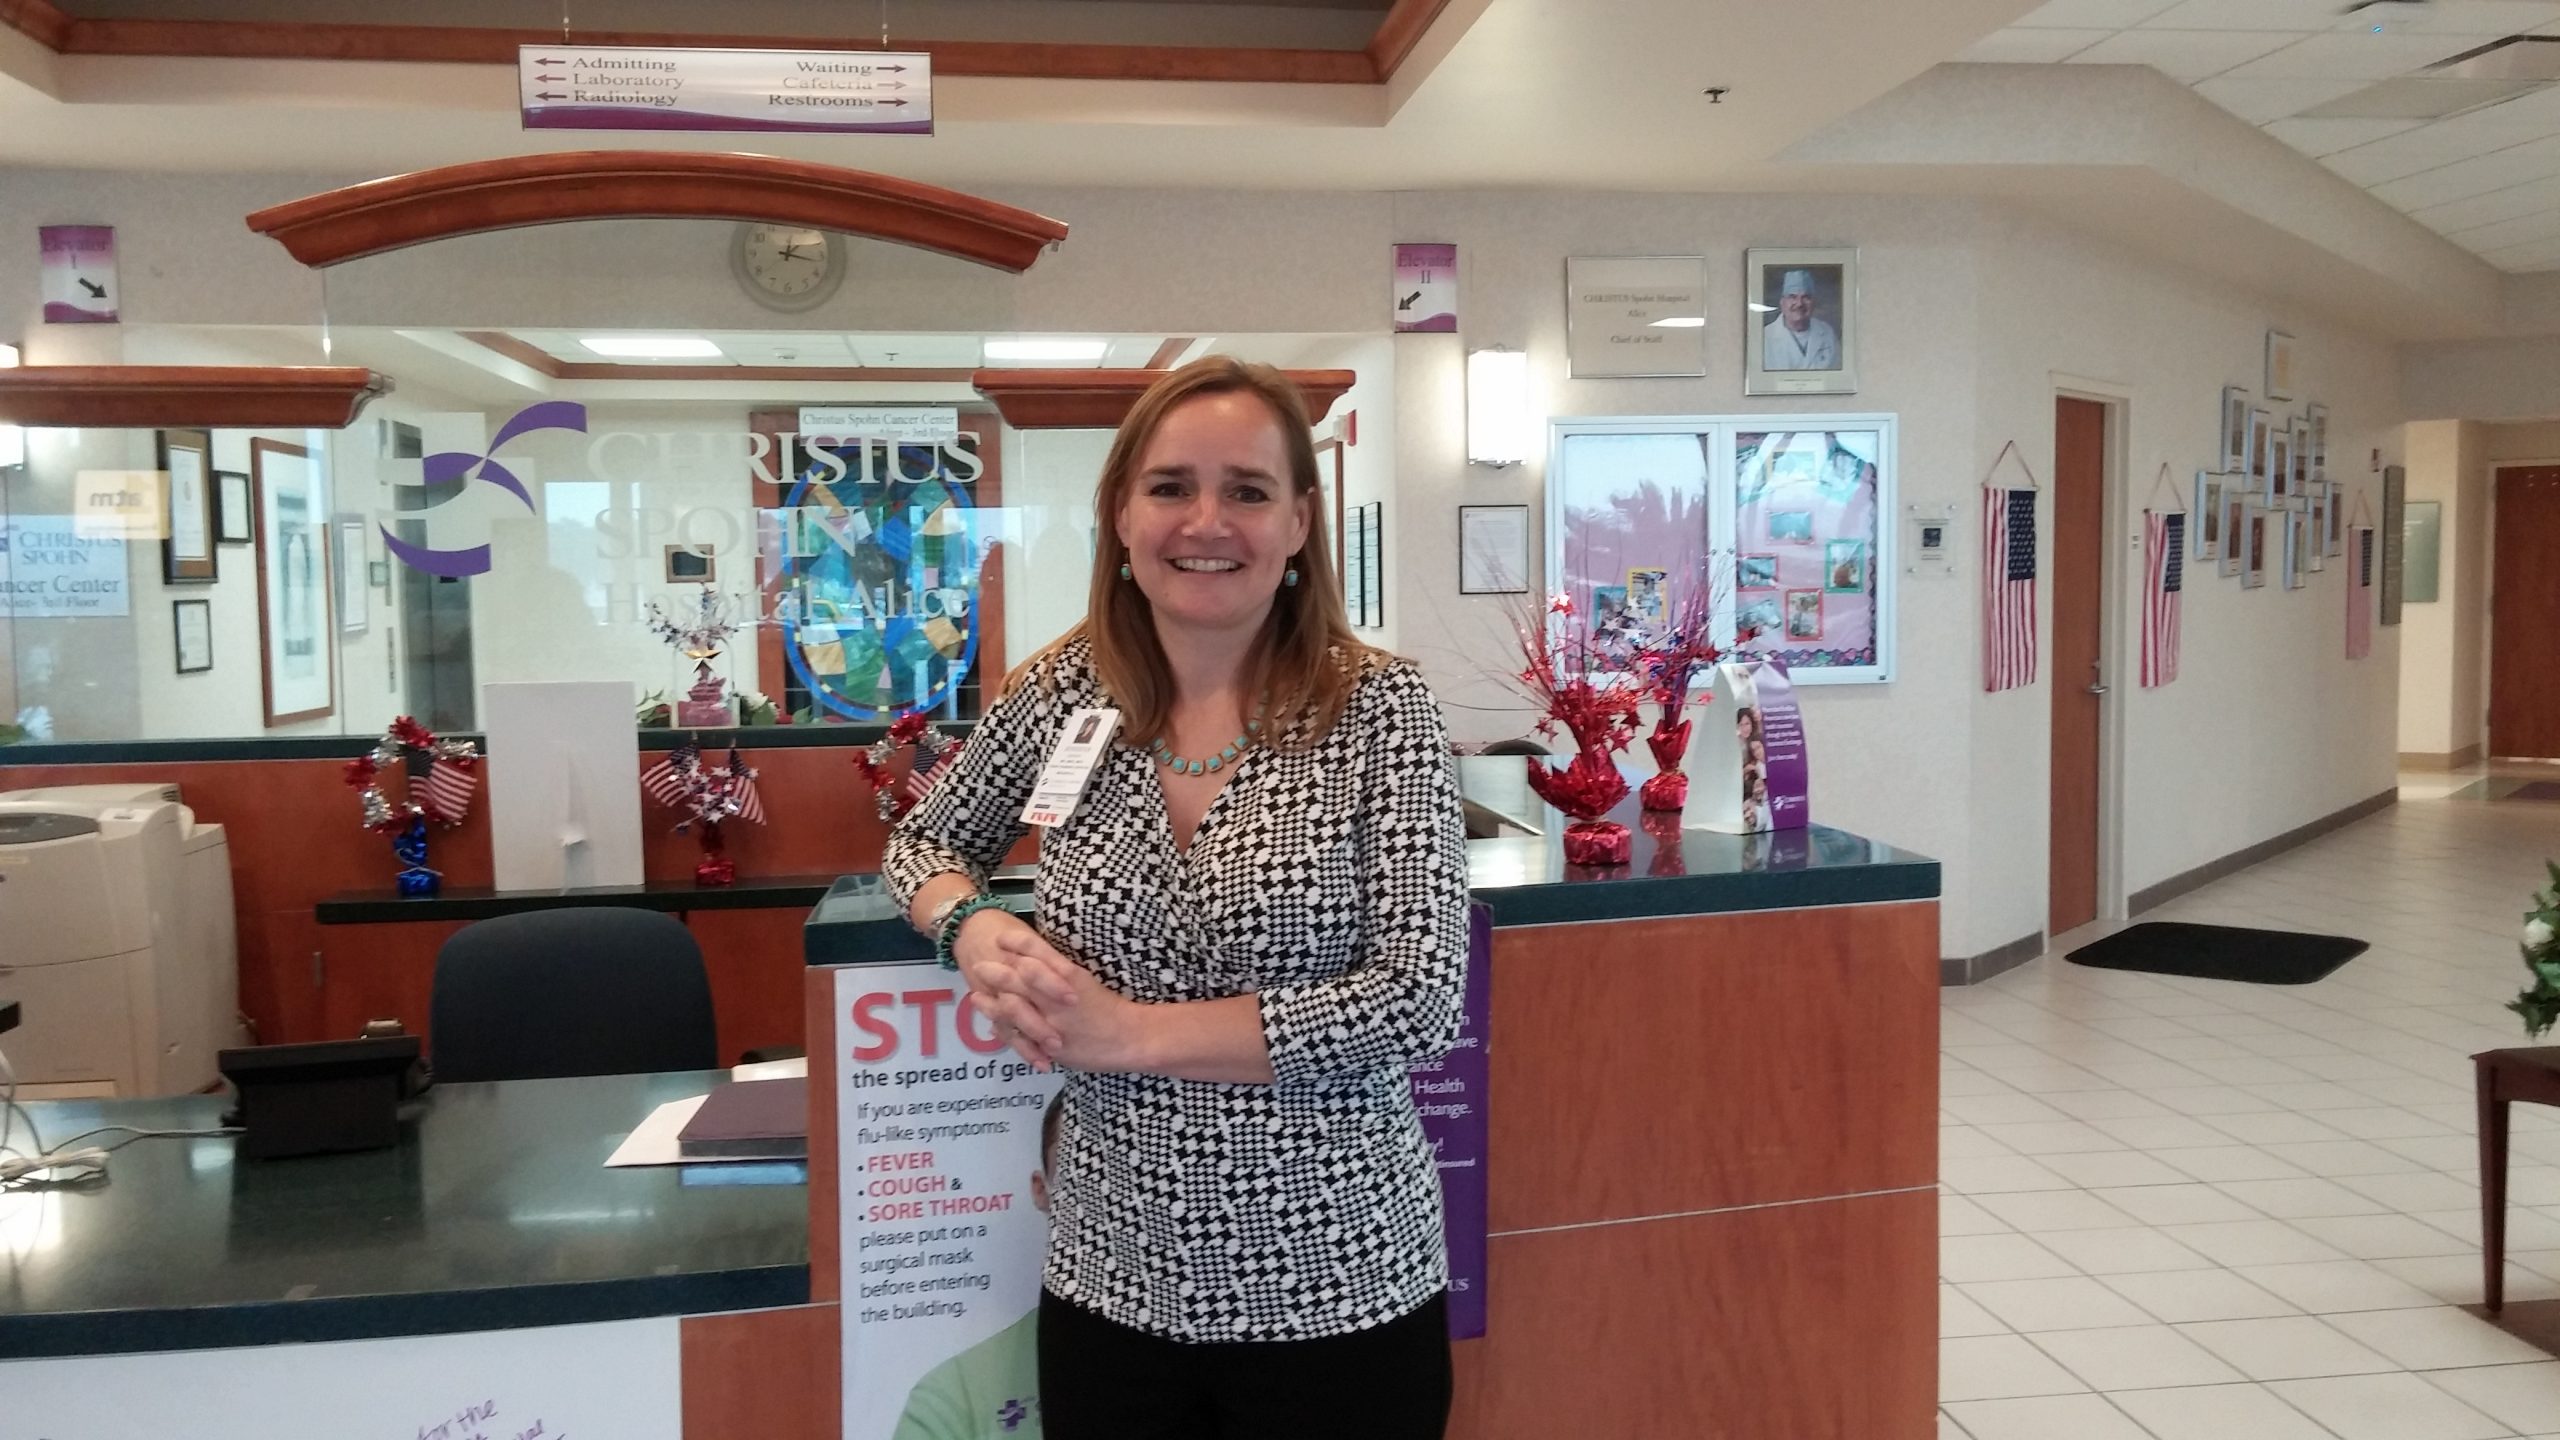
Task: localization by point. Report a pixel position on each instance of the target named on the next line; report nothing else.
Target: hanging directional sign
(835, 92)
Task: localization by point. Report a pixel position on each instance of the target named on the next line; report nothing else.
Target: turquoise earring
(1291, 578)
(1124, 569)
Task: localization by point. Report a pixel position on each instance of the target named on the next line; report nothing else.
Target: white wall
(2444, 643)
(1971, 316)
(2268, 727)
(1049, 480)
(1364, 419)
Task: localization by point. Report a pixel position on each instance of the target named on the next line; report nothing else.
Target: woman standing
(1251, 927)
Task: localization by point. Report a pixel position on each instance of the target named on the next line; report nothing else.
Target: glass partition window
(1784, 516)
(741, 551)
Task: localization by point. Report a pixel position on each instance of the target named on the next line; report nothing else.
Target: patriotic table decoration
(1669, 663)
(443, 796)
(1583, 680)
(710, 796)
(892, 795)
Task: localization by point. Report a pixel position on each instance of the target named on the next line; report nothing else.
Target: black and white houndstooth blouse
(1331, 884)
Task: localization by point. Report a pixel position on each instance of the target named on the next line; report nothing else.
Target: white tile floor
(2190, 1210)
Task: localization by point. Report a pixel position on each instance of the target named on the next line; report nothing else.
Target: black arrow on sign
(96, 290)
(550, 62)
(547, 95)
(893, 102)
(551, 79)
(892, 69)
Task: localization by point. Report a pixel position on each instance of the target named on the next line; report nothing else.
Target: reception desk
(1711, 1168)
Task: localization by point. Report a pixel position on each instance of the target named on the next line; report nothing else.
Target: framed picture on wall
(298, 653)
(2259, 424)
(346, 573)
(2279, 365)
(2235, 429)
(186, 552)
(2279, 464)
(1374, 559)
(2297, 545)
(2395, 518)
(2235, 524)
(1355, 565)
(1635, 316)
(1493, 549)
(2204, 535)
(236, 526)
(2334, 538)
(2253, 570)
(1800, 336)
(193, 621)
(2318, 416)
(2301, 458)
(2315, 530)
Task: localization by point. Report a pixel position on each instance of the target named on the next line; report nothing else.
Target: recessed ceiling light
(1680, 322)
(651, 347)
(1086, 351)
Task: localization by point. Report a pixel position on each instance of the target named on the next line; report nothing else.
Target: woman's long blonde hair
(1307, 659)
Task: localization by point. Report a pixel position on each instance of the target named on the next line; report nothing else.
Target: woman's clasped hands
(1050, 1009)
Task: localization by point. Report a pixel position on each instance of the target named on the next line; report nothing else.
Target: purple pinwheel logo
(1010, 1415)
(447, 465)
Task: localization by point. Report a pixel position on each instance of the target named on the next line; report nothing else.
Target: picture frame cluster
(2267, 506)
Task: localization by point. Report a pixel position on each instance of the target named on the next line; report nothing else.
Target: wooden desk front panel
(1805, 1322)
(1659, 1067)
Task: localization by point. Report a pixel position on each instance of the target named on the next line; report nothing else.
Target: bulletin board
(1787, 510)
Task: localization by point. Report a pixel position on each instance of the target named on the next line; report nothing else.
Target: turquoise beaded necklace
(1220, 761)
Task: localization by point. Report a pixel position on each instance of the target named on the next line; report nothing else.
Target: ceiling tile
(2476, 176)
(2031, 47)
(2354, 56)
(2541, 225)
(2407, 153)
(2532, 255)
(918, 352)
(2186, 55)
(2259, 101)
(2094, 14)
(2328, 137)
(2303, 15)
(2486, 18)
(2456, 216)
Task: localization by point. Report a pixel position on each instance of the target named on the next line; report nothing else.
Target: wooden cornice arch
(222, 397)
(1100, 399)
(486, 195)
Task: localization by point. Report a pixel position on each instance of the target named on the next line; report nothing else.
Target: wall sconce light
(1498, 424)
(13, 438)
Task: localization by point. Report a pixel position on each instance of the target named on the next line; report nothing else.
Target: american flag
(2008, 588)
(742, 789)
(929, 766)
(664, 781)
(2164, 544)
(450, 781)
(2360, 594)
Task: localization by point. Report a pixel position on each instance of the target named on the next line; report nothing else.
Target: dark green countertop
(1522, 876)
(495, 1212)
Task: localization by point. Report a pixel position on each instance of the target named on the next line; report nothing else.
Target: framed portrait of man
(1801, 334)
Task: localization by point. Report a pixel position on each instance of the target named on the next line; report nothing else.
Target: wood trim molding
(473, 45)
(1400, 32)
(38, 20)
(486, 195)
(1100, 399)
(233, 397)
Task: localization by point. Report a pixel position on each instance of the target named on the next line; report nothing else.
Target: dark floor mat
(2221, 952)
(2535, 790)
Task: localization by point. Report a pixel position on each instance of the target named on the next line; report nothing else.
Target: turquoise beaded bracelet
(942, 945)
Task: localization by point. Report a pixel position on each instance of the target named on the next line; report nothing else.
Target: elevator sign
(829, 92)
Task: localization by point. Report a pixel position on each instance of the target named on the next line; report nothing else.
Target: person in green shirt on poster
(990, 1391)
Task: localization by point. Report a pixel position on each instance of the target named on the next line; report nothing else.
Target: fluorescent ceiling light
(1759, 308)
(1088, 352)
(2421, 97)
(1680, 322)
(652, 347)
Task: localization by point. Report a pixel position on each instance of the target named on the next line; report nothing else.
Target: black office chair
(600, 991)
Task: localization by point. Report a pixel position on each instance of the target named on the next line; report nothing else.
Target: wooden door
(2079, 529)
(2524, 611)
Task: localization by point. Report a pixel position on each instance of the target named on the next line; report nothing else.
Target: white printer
(116, 940)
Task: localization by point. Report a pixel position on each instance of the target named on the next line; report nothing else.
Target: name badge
(1061, 785)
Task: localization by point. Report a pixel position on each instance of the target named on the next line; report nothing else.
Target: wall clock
(788, 267)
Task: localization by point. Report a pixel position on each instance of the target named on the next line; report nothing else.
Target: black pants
(1101, 1380)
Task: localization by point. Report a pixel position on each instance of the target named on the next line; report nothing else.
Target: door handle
(2097, 685)
(2097, 689)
